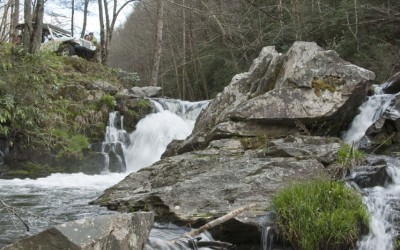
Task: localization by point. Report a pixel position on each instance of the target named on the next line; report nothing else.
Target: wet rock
(370, 176)
(308, 88)
(392, 85)
(118, 231)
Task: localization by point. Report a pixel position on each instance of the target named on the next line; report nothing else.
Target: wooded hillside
(205, 42)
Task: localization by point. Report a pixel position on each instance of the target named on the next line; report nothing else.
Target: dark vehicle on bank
(62, 42)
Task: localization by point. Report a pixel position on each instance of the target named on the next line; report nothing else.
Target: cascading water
(379, 200)
(370, 112)
(174, 120)
(63, 197)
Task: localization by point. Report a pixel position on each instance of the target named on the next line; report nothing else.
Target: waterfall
(114, 142)
(62, 197)
(370, 112)
(379, 200)
(173, 120)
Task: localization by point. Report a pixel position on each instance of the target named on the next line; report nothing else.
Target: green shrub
(320, 214)
(107, 100)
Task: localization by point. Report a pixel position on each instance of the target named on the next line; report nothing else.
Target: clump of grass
(320, 214)
(350, 156)
(347, 158)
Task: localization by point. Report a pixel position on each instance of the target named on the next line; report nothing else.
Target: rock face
(307, 87)
(229, 174)
(119, 231)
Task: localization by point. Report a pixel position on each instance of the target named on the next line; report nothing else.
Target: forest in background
(192, 48)
(205, 42)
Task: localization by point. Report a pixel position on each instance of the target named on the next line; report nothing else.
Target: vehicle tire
(66, 50)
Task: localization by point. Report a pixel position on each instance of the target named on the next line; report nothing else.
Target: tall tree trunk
(85, 13)
(183, 50)
(103, 58)
(27, 25)
(158, 51)
(15, 19)
(72, 16)
(107, 32)
(4, 22)
(36, 36)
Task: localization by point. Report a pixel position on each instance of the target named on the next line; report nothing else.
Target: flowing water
(379, 200)
(55, 199)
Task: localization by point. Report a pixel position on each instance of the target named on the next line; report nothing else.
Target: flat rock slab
(117, 231)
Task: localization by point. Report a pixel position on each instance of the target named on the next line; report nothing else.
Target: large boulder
(118, 231)
(308, 87)
(201, 185)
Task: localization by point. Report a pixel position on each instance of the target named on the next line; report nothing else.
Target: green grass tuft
(320, 214)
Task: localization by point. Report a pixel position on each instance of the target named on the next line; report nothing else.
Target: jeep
(62, 42)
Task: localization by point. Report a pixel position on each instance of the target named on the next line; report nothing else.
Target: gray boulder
(308, 85)
(149, 91)
(104, 86)
(118, 231)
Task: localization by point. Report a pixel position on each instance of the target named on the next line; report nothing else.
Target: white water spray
(379, 201)
(173, 121)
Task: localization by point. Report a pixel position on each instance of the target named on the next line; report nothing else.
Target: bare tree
(158, 50)
(36, 36)
(85, 13)
(107, 23)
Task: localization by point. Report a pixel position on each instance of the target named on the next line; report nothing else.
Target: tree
(9, 16)
(107, 23)
(33, 24)
(206, 42)
(158, 50)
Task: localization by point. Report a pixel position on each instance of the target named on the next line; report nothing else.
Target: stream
(58, 198)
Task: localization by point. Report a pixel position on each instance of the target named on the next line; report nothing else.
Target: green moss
(320, 85)
(254, 142)
(320, 214)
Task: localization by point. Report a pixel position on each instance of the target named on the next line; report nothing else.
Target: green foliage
(320, 214)
(37, 108)
(108, 101)
(75, 146)
(143, 103)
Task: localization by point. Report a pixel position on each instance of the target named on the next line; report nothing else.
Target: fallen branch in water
(11, 210)
(219, 220)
